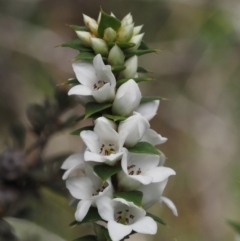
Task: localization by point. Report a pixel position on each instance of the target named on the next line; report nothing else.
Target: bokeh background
(197, 69)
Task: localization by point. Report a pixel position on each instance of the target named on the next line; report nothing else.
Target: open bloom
(95, 79)
(104, 144)
(141, 169)
(124, 217)
(149, 109)
(88, 188)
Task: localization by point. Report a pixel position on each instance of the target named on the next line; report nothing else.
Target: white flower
(141, 169)
(88, 188)
(124, 217)
(107, 121)
(91, 24)
(72, 163)
(99, 46)
(96, 80)
(137, 29)
(85, 37)
(128, 19)
(135, 126)
(131, 68)
(136, 39)
(170, 204)
(127, 99)
(104, 144)
(149, 109)
(125, 33)
(153, 137)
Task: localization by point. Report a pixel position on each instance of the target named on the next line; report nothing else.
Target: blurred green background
(197, 70)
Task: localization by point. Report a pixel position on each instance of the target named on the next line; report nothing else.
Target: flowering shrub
(120, 173)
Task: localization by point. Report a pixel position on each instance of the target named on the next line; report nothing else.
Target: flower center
(99, 84)
(101, 189)
(108, 149)
(134, 170)
(124, 216)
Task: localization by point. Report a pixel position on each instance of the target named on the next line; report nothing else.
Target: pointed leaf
(84, 56)
(234, 225)
(115, 117)
(118, 68)
(92, 216)
(101, 232)
(143, 45)
(105, 171)
(77, 44)
(121, 45)
(141, 52)
(78, 131)
(79, 28)
(157, 219)
(93, 108)
(73, 120)
(146, 99)
(144, 148)
(106, 22)
(142, 70)
(133, 196)
(87, 238)
(137, 80)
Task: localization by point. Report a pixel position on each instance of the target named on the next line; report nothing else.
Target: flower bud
(116, 56)
(135, 125)
(109, 35)
(107, 121)
(99, 17)
(127, 99)
(125, 33)
(137, 41)
(99, 46)
(90, 23)
(112, 14)
(85, 37)
(128, 19)
(131, 68)
(137, 30)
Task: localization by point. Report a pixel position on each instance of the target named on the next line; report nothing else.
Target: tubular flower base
(120, 173)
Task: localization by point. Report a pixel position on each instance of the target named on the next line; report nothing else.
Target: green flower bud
(109, 35)
(91, 24)
(131, 68)
(85, 37)
(137, 41)
(137, 30)
(128, 19)
(116, 56)
(99, 46)
(125, 33)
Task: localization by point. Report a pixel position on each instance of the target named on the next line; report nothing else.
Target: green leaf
(115, 117)
(146, 99)
(92, 216)
(234, 225)
(118, 68)
(79, 28)
(144, 148)
(73, 120)
(77, 44)
(143, 46)
(132, 196)
(101, 232)
(87, 238)
(157, 219)
(93, 108)
(141, 52)
(137, 80)
(106, 171)
(121, 45)
(84, 56)
(106, 22)
(78, 131)
(142, 70)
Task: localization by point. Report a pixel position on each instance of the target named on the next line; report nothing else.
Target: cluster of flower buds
(120, 173)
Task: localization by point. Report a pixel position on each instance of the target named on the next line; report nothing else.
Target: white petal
(85, 73)
(107, 121)
(80, 187)
(153, 137)
(142, 179)
(170, 204)
(72, 161)
(159, 174)
(82, 209)
(105, 208)
(118, 231)
(103, 71)
(145, 225)
(80, 90)
(71, 172)
(105, 94)
(90, 138)
(149, 109)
